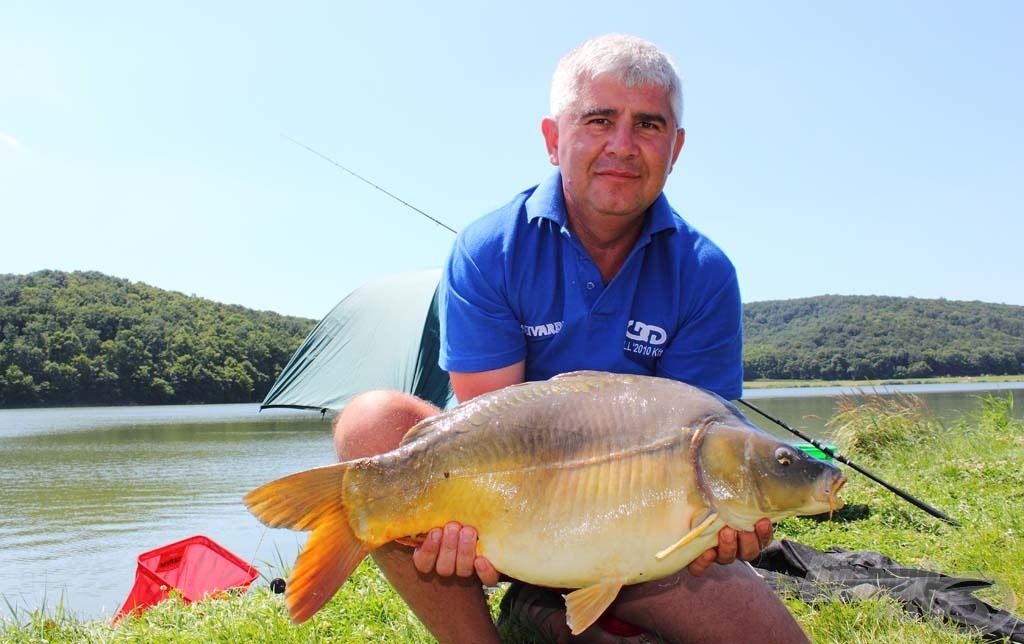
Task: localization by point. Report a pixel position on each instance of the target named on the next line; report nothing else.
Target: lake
(84, 491)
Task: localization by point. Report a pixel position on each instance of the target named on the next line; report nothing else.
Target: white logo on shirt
(541, 330)
(646, 333)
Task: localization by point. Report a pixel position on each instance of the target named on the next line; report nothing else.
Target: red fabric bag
(196, 567)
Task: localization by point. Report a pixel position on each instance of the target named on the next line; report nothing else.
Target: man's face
(615, 146)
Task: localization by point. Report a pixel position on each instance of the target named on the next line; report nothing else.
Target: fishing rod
(370, 183)
(935, 512)
(842, 459)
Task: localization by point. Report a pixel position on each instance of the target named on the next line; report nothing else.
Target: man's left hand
(732, 544)
(451, 550)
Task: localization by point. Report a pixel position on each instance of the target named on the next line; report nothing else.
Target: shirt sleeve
(707, 350)
(479, 329)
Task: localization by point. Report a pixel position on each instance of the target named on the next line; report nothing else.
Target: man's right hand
(451, 550)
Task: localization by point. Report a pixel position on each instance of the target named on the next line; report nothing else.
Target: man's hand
(452, 551)
(746, 545)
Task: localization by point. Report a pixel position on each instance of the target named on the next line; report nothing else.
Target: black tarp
(845, 575)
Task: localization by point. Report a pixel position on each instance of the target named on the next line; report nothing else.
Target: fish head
(746, 473)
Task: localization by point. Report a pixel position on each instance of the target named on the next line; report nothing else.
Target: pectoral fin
(584, 606)
(690, 536)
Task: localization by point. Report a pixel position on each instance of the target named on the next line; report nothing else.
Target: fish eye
(784, 456)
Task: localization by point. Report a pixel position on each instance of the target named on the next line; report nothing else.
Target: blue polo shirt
(519, 284)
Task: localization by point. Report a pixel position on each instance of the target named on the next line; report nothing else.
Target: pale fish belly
(576, 526)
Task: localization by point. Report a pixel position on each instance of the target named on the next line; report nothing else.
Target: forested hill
(873, 337)
(87, 338)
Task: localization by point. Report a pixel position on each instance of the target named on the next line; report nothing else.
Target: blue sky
(854, 148)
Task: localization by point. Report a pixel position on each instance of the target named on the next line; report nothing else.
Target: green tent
(383, 335)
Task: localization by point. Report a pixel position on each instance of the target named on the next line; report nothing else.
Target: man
(591, 269)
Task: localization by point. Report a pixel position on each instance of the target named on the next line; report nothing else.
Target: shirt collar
(548, 201)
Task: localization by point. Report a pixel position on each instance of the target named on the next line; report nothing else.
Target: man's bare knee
(718, 607)
(375, 422)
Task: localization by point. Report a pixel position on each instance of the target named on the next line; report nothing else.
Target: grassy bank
(972, 470)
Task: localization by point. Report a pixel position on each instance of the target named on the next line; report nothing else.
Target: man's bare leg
(452, 608)
(728, 603)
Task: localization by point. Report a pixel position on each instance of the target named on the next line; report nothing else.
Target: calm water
(84, 491)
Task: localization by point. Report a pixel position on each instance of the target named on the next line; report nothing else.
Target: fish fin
(585, 605)
(690, 536)
(583, 373)
(312, 500)
(331, 554)
(425, 427)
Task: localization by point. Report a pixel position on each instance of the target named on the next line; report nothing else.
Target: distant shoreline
(748, 385)
(777, 384)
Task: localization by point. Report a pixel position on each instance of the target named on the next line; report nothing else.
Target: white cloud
(11, 141)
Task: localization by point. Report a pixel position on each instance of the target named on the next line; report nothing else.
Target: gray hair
(634, 61)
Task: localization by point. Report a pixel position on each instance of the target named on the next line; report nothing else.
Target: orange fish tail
(311, 500)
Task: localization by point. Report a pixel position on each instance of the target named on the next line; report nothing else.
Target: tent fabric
(195, 567)
(816, 576)
(383, 335)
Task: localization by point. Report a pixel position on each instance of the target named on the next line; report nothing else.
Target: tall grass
(870, 425)
(971, 469)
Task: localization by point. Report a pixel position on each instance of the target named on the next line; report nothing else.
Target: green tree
(87, 338)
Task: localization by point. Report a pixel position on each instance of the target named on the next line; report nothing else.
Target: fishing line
(370, 183)
(277, 584)
(842, 459)
(259, 544)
